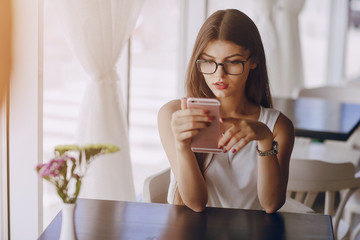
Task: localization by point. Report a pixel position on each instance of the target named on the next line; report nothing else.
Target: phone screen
(207, 140)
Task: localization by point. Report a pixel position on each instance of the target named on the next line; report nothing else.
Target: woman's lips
(221, 85)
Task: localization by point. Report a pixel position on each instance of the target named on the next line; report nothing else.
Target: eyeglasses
(230, 67)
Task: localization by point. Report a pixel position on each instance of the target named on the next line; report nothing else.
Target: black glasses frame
(221, 64)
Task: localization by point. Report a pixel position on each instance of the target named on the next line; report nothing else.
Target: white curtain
(278, 23)
(97, 31)
(266, 26)
(287, 27)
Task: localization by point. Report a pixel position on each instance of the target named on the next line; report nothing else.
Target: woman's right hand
(177, 125)
(186, 123)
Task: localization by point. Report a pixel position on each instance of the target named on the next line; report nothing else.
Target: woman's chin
(221, 94)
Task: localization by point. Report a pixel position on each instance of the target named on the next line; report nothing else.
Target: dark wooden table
(102, 219)
(320, 119)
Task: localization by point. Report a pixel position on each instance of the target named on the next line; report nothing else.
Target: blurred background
(153, 56)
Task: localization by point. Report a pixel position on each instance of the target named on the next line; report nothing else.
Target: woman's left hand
(242, 131)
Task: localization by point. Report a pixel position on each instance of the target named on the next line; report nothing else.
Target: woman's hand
(177, 125)
(187, 123)
(242, 131)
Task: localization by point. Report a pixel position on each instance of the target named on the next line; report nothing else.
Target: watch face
(274, 150)
(276, 147)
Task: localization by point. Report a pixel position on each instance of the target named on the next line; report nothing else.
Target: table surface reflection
(103, 219)
(319, 118)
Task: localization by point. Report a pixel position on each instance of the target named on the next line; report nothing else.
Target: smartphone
(207, 139)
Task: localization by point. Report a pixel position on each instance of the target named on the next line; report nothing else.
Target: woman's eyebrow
(234, 55)
(202, 54)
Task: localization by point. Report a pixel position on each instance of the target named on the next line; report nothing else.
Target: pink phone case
(207, 140)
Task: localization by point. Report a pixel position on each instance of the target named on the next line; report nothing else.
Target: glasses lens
(206, 67)
(234, 67)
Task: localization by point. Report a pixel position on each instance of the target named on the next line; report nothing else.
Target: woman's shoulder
(170, 107)
(277, 118)
(268, 114)
(284, 125)
(270, 110)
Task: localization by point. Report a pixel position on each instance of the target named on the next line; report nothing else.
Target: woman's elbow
(272, 208)
(199, 208)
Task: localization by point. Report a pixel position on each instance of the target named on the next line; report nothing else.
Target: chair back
(156, 187)
(309, 177)
(348, 94)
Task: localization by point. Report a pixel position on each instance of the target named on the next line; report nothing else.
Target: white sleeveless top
(231, 179)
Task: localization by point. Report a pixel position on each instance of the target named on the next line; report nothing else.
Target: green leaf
(61, 149)
(61, 194)
(61, 181)
(77, 191)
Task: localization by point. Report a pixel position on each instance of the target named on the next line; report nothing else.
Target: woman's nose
(220, 72)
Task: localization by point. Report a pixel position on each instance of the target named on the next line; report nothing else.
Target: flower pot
(68, 224)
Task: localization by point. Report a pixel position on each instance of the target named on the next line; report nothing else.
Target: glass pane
(245, 6)
(313, 23)
(353, 48)
(154, 56)
(63, 87)
(154, 47)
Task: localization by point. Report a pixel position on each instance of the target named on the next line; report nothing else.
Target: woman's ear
(253, 64)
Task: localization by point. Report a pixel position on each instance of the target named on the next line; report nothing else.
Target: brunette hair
(235, 26)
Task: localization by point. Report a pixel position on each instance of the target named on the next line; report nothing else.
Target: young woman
(228, 63)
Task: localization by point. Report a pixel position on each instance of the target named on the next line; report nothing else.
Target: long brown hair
(235, 26)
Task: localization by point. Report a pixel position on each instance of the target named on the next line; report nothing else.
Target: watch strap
(273, 151)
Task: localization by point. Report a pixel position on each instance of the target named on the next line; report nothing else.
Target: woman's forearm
(191, 183)
(271, 183)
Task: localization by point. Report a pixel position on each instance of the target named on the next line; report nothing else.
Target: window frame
(25, 122)
(4, 160)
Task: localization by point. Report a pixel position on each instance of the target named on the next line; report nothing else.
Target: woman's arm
(177, 124)
(273, 170)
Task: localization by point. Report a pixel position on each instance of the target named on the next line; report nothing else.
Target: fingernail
(234, 150)
(211, 117)
(224, 151)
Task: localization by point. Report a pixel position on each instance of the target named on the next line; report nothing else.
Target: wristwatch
(273, 151)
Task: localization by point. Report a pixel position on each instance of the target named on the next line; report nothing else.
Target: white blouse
(231, 179)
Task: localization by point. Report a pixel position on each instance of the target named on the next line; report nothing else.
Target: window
(62, 92)
(314, 41)
(153, 76)
(352, 71)
(154, 57)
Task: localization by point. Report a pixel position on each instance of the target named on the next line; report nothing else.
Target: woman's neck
(237, 107)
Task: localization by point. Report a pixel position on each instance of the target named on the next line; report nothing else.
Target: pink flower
(66, 172)
(51, 169)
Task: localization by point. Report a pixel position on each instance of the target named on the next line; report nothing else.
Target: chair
(306, 179)
(309, 177)
(352, 207)
(349, 94)
(156, 187)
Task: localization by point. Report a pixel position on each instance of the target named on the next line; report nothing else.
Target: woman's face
(221, 83)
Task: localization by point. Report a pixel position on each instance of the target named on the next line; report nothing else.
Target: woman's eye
(235, 62)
